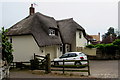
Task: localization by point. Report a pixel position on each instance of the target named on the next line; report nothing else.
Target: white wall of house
(80, 42)
(53, 50)
(25, 46)
(73, 45)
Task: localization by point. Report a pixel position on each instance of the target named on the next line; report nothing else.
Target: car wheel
(56, 63)
(78, 63)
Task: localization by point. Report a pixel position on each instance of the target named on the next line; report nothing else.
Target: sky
(93, 15)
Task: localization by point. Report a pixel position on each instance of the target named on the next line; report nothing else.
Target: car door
(71, 56)
(63, 57)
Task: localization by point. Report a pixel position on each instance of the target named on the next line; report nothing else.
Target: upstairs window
(52, 32)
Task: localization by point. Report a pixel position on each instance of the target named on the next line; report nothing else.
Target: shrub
(100, 46)
(117, 42)
(110, 48)
(90, 46)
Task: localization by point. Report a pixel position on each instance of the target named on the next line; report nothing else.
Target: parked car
(72, 56)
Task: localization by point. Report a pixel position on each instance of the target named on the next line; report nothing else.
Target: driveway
(98, 69)
(104, 68)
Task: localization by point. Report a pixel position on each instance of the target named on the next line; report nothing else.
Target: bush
(100, 46)
(90, 46)
(110, 48)
(117, 42)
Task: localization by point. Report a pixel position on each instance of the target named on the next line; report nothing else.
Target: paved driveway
(104, 69)
(99, 69)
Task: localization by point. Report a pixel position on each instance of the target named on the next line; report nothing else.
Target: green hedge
(107, 48)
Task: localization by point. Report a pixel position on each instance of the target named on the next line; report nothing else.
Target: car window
(64, 56)
(82, 54)
(72, 55)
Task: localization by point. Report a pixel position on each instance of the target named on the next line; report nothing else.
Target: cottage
(72, 34)
(42, 34)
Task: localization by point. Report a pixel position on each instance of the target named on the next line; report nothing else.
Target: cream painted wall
(54, 51)
(25, 46)
(80, 42)
(73, 45)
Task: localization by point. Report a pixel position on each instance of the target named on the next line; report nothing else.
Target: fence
(4, 72)
(39, 62)
(72, 67)
(46, 64)
(20, 65)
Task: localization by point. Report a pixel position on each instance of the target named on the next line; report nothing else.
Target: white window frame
(52, 32)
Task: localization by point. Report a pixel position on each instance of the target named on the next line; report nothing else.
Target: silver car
(71, 56)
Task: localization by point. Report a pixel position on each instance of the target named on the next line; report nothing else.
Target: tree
(118, 37)
(6, 48)
(117, 33)
(110, 36)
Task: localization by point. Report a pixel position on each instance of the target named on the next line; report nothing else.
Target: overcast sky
(93, 16)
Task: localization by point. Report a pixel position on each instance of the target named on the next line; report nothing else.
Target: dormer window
(52, 32)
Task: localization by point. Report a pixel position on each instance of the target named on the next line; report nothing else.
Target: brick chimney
(31, 10)
(99, 35)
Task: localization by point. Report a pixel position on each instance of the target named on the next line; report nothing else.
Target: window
(64, 56)
(68, 48)
(72, 55)
(51, 32)
(10, 39)
(80, 35)
(61, 48)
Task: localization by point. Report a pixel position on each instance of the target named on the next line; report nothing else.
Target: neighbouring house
(94, 39)
(41, 34)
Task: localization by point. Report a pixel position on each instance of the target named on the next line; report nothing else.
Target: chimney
(99, 35)
(32, 10)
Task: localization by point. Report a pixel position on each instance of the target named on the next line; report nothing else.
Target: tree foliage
(110, 36)
(6, 47)
(117, 42)
(110, 32)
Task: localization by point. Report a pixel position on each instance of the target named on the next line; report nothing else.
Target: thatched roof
(68, 28)
(37, 25)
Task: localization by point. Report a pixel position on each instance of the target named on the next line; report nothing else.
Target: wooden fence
(43, 64)
(72, 68)
(20, 65)
(47, 65)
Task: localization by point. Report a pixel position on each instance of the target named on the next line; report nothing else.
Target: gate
(41, 63)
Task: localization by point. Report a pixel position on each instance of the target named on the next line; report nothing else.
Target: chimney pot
(31, 5)
(32, 10)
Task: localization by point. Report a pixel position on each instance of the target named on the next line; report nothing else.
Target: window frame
(52, 32)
